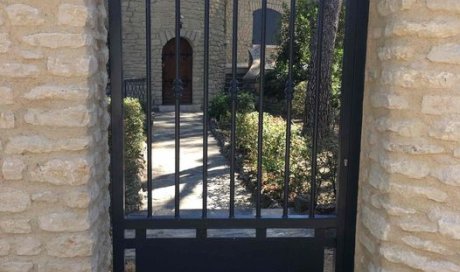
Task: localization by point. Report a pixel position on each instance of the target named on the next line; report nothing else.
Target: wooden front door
(169, 71)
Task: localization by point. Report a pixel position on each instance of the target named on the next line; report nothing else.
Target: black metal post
(117, 154)
(354, 63)
(315, 140)
(233, 93)
(261, 109)
(205, 109)
(148, 36)
(289, 91)
(178, 93)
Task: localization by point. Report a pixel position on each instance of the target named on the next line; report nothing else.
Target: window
(273, 27)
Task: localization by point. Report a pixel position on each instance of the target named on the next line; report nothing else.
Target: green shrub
(220, 105)
(298, 100)
(274, 143)
(134, 119)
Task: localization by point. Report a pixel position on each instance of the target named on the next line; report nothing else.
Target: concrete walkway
(191, 175)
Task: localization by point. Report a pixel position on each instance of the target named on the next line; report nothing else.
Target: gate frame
(353, 80)
(351, 119)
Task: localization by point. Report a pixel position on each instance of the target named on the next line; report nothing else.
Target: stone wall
(246, 9)
(53, 137)
(409, 212)
(163, 30)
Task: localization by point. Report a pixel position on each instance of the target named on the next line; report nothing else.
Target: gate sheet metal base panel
(232, 255)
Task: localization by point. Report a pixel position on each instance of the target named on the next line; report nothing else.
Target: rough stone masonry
(53, 137)
(409, 212)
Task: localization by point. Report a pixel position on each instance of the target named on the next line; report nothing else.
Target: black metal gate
(263, 252)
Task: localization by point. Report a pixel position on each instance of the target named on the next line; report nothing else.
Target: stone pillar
(53, 137)
(409, 212)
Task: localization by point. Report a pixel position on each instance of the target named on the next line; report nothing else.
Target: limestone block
(18, 70)
(389, 101)
(16, 226)
(57, 40)
(378, 178)
(412, 146)
(446, 129)
(73, 15)
(417, 78)
(438, 105)
(391, 208)
(24, 15)
(70, 246)
(367, 242)
(421, 191)
(12, 200)
(40, 144)
(426, 245)
(397, 254)
(386, 7)
(63, 65)
(6, 119)
(47, 197)
(403, 127)
(27, 246)
(396, 52)
(405, 166)
(12, 168)
(5, 42)
(68, 265)
(417, 224)
(6, 96)
(375, 223)
(449, 174)
(448, 222)
(30, 54)
(17, 266)
(441, 27)
(78, 116)
(443, 5)
(446, 53)
(457, 152)
(64, 222)
(77, 199)
(58, 92)
(63, 172)
(4, 247)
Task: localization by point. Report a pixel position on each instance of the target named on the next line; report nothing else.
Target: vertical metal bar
(314, 151)
(357, 15)
(205, 109)
(148, 37)
(289, 89)
(233, 93)
(117, 185)
(178, 94)
(261, 110)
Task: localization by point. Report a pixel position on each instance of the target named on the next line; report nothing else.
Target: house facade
(192, 44)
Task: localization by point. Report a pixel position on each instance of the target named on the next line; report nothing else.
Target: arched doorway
(169, 71)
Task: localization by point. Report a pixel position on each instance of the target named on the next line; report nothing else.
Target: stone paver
(191, 168)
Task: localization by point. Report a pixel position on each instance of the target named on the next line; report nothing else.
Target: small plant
(220, 105)
(134, 119)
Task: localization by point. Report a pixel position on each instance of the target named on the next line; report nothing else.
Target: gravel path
(191, 161)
